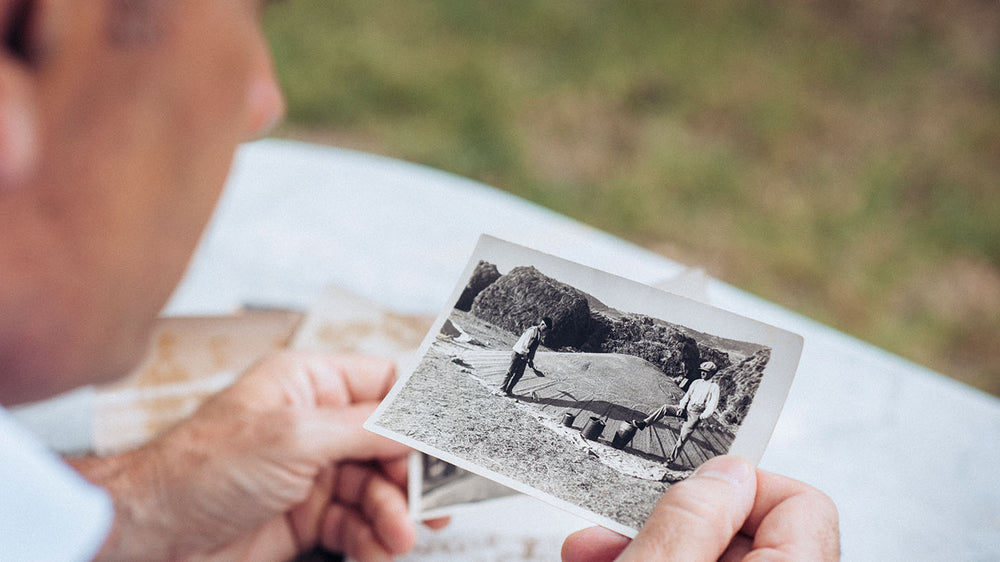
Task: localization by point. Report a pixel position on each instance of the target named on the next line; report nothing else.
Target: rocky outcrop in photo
(738, 384)
(523, 296)
(665, 346)
(482, 276)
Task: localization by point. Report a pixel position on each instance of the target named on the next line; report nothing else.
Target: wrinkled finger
(794, 519)
(739, 548)
(698, 517)
(397, 470)
(384, 507)
(381, 503)
(291, 378)
(365, 378)
(304, 378)
(352, 479)
(345, 531)
(594, 544)
(305, 516)
(337, 434)
(331, 529)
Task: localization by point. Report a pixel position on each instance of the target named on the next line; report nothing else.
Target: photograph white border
(627, 296)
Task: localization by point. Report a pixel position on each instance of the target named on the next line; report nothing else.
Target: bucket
(593, 428)
(626, 431)
(568, 418)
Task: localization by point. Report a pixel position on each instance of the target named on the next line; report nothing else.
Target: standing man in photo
(698, 404)
(524, 354)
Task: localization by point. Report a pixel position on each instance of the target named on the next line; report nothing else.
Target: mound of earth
(482, 276)
(523, 296)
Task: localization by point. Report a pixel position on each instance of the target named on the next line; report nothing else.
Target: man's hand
(273, 466)
(724, 511)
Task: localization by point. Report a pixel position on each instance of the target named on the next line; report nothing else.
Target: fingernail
(730, 468)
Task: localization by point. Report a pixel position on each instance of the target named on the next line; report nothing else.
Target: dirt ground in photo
(450, 403)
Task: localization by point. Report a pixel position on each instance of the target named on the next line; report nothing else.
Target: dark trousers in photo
(514, 373)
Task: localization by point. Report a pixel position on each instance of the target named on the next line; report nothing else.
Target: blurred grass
(840, 158)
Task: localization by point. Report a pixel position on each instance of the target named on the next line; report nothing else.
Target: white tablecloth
(908, 455)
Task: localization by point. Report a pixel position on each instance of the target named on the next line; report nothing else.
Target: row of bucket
(594, 427)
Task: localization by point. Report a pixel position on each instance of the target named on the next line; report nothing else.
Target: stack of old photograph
(583, 389)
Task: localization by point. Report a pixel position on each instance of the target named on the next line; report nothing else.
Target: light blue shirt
(47, 510)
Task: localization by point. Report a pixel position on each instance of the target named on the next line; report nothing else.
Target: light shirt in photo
(702, 393)
(523, 345)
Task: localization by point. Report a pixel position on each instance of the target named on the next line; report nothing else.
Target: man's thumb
(696, 519)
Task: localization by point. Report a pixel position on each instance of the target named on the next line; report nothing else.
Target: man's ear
(18, 124)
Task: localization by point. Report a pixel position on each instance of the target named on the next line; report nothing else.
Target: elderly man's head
(118, 123)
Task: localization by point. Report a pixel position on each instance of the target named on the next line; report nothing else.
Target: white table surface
(909, 456)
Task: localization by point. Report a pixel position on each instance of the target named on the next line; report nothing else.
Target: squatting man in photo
(524, 354)
(119, 120)
(698, 404)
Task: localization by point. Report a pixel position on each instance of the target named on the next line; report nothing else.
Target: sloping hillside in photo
(518, 299)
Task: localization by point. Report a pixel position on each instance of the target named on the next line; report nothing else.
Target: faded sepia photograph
(585, 389)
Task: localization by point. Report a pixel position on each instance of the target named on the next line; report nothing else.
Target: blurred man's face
(141, 104)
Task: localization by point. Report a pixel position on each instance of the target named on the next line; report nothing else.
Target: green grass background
(840, 158)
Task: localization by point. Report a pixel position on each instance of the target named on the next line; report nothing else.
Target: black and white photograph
(438, 488)
(584, 389)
